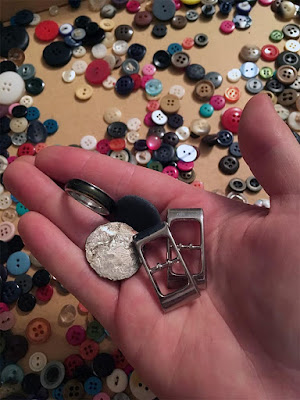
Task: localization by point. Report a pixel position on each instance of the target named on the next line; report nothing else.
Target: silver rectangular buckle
(187, 214)
(186, 292)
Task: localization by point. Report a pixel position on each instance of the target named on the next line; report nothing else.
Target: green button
(155, 165)
(276, 35)
(206, 110)
(95, 331)
(266, 72)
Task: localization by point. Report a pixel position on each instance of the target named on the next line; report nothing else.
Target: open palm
(241, 338)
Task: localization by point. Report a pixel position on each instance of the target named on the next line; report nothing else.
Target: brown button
(187, 176)
(204, 90)
(178, 21)
(298, 103)
(73, 390)
(180, 59)
(124, 32)
(287, 97)
(286, 74)
(16, 55)
(271, 95)
(275, 5)
(143, 18)
(287, 10)
(250, 53)
(170, 104)
(38, 330)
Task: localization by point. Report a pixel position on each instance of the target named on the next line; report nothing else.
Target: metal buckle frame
(187, 214)
(186, 292)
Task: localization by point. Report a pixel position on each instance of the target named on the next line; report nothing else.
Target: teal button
(153, 87)
(206, 110)
(18, 263)
(21, 209)
(12, 373)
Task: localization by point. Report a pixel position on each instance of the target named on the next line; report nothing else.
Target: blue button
(225, 138)
(124, 85)
(10, 292)
(32, 113)
(36, 132)
(51, 125)
(136, 51)
(21, 209)
(12, 373)
(18, 263)
(249, 70)
(153, 87)
(93, 385)
(57, 393)
(234, 150)
(14, 199)
(72, 42)
(174, 48)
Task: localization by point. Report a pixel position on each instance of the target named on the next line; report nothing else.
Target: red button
(231, 118)
(47, 30)
(185, 166)
(145, 79)
(177, 4)
(171, 171)
(71, 363)
(133, 6)
(137, 79)
(103, 146)
(119, 359)
(269, 52)
(153, 105)
(188, 43)
(26, 149)
(75, 335)
(97, 71)
(3, 307)
(117, 144)
(89, 349)
(227, 26)
(44, 293)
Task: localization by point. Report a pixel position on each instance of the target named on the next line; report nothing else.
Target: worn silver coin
(110, 252)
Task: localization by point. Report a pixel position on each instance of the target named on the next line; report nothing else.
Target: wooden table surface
(77, 119)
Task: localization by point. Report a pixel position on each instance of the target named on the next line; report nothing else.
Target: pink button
(153, 142)
(75, 335)
(177, 4)
(103, 146)
(7, 320)
(10, 108)
(152, 105)
(133, 6)
(3, 110)
(149, 69)
(7, 231)
(148, 120)
(3, 307)
(101, 396)
(171, 171)
(265, 2)
(145, 79)
(227, 26)
(230, 119)
(11, 159)
(128, 369)
(82, 308)
(44, 293)
(217, 101)
(198, 184)
(185, 166)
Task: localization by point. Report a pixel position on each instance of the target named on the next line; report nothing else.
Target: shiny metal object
(189, 290)
(110, 251)
(187, 214)
(238, 196)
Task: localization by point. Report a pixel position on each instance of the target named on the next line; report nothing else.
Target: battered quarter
(110, 251)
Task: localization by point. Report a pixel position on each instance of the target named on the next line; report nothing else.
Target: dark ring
(90, 196)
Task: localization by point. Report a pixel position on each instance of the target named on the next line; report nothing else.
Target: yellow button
(190, 2)
(107, 24)
(84, 92)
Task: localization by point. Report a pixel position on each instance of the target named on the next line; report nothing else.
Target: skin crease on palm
(241, 338)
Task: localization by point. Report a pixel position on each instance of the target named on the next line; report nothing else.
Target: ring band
(90, 196)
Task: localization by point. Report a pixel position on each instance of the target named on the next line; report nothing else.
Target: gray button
(26, 71)
(180, 59)
(253, 184)
(291, 31)
(124, 32)
(108, 11)
(52, 375)
(78, 34)
(192, 15)
(201, 40)
(130, 66)
(25, 282)
(237, 184)
(296, 84)
(215, 78)
(254, 85)
(163, 10)
(19, 138)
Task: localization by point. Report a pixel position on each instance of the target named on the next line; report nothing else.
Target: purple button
(75, 335)
(148, 120)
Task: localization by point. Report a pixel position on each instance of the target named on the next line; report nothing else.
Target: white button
(234, 75)
(19, 138)
(109, 82)
(263, 203)
(66, 29)
(79, 67)
(88, 142)
(120, 155)
(200, 127)
(99, 50)
(177, 90)
(143, 157)
(139, 389)
(1, 188)
(10, 214)
(68, 76)
(296, 84)
(183, 133)
(134, 124)
(120, 47)
(12, 87)
(5, 201)
(7, 231)
(117, 381)
(78, 34)
(282, 111)
(186, 153)
(34, 261)
(36, 20)
(159, 118)
(26, 101)
(18, 125)
(109, 40)
(132, 136)
(111, 60)
(112, 114)
(292, 45)
(79, 51)
(37, 361)
(3, 164)
(294, 121)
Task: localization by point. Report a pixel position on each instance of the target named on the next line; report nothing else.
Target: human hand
(241, 338)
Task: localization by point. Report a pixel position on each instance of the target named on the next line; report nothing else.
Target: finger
(269, 147)
(41, 194)
(67, 263)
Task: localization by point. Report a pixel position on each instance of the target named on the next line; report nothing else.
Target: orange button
(89, 349)
(117, 144)
(232, 94)
(38, 330)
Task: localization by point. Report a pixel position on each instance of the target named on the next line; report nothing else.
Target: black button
(208, 10)
(229, 165)
(82, 21)
(209, 140)
(10, 292)
(26, 302)
(187, 176)
(136, 51)
(225, 138)
(13, 36)
(234, 150)
(124, 85)
(31, 383)
(253, 185)
(82, 372)
(297, 136)
(161, 59)
(57, 54)
(215, 78)
(23, 17)
(5, 142)
(225, 7)
(74, 4)
(41, 278)
(36, 132)
(195, 72)
(19, 111)
(201, 40)
(117, 129)
(124, 32)
(156, 131)
(159, 30)
(171, 138)
(4, 153)
(140, 145)
(274, 86)
(288, 58)
(7, 66)
(35, 86)
(103, 365)
(94, 34)
(25, 282)
(119, 3)
(175, 121)
(3, 247)
(3, 273)
(16, 348)
(15, 244)
(164, 154)
(237, 184)
(4, 125)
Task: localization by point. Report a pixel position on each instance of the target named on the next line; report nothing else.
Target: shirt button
(112, 114)
(254, 85)
(9, 215)
(84, 92)
(71, 363)
(227, 26)
(44, 293)
(142, 18)
(37, 361)
(12, 87)
(26, 302)
(18, 263)
(242, 21)
(177, 90)
(163, 10)
(234, 75)
(237, 184)
(206, 110)
(139, 389)
(269, 52)
(171, 171)
(183, 133)
(178, 21)
(12, 373)
(47, 30)
(201, 40)
(117, 381)
(73, 390)
(25, 282)
(292, 45)
(225, 138)
(97, 71)
(5, 201)
(249, 70)
(217, 101)
(52, 374)
(124, 32)
(204, 90)
(161, 59)
(79, 51)
(286, 74)
(229, 165)
(7, 320)
(89, 349)
(294, 121)
(291, 31)
(16, 55)
(103, 364)
(288, 97)
(253, 184)
(38, 330)
(250, 53)
(234, 150)
(143, 157)
(93, 385)
(186, 153)
(199, 127)
(159, 30)
(75, 335)
(159, 118)
(231, 118)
